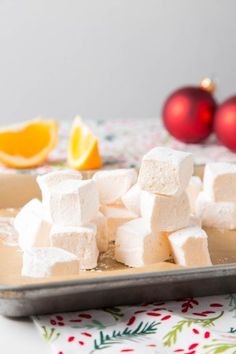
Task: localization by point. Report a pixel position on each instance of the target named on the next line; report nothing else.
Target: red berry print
(178, 350)
(188, 304)
(139, 311)
(207, 334)
(199, 314)
(59, 318)
(151, 345)
(195, 331)
(165, 318)
(216, 305)
(86, 334)
(60, 352)
(81, 342)
(153, 314)
(71, 338)
(192, 346)
(126, 350)
(85, 315)
(131, 321)
(56, 323)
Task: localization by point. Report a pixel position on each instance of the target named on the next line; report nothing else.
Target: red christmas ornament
(188, 112)
(225, 123)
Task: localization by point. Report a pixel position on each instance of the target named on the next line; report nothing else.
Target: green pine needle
(115, 312)
(220, 347)
(171, 337)
(106, 340)
(50, 334)
(94, 324)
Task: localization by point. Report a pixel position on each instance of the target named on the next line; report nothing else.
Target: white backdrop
(110, 58)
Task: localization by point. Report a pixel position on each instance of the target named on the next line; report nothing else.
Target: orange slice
(83, 149)
(27, 144)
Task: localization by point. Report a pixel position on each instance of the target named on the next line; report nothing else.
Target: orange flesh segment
(83, 152)
(26, 145)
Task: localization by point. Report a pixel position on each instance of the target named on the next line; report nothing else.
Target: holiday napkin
(189, 326)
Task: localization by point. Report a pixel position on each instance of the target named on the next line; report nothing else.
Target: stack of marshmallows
(149, 217)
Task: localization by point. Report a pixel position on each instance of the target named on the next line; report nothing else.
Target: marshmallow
(136, 246)
(220, 215)
(80, 241)
(165, 171)
(73, 203)
(112, 184)
(102, 232)
(32, 225)
(189, 247)
(116, 215)
(51, 261)
(220, 182)
(164, 213)
(194, 220)
(131, 199)
(193, 189)
(49, 180)
(7, 231)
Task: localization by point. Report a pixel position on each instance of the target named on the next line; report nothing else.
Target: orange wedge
(83, 149)
(27, 144)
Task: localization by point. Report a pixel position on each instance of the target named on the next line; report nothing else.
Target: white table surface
(21, 336)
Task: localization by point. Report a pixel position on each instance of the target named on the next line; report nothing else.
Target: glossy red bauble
(225, 123)
(188, 114)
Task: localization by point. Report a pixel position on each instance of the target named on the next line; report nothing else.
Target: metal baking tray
(112, 284)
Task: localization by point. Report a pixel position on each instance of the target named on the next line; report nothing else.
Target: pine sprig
(171, 337)
(50, 334)
(220, 347)
(115, 312)
(94, 324)
(105, 340)
(211, 321)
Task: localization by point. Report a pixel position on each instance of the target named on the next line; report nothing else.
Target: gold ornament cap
(208, 85)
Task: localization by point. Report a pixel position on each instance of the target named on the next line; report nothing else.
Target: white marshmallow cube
(116, 215)
(220, 215)
(193, 189)
(220, 182)
(190, 247)
(102, 235)
(165, 171)
(32, 225)
(73, 203)
(80, 241)
(137, 246)
(112, 184)
(163, 213)
(131, 199)
(48, 262)
(8, 232)
(51, 179)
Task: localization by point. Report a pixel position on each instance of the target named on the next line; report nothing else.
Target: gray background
(110, 58)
